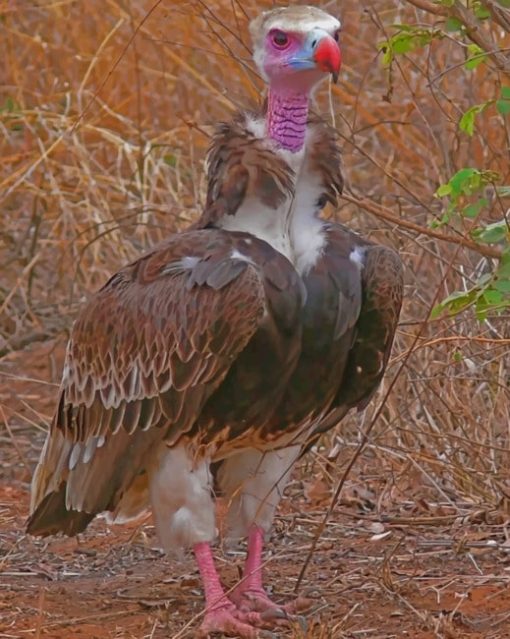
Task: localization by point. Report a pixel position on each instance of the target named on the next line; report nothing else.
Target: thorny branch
(384, 214)
(473, 27)
(499, 14)
(429, 7)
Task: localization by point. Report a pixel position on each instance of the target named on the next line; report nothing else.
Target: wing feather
(144, 355)
(382, 284)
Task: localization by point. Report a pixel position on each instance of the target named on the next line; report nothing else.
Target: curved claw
(300, 604)
(257, 600)
(272, 614)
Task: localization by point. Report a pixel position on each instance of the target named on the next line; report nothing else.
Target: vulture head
(296, 47)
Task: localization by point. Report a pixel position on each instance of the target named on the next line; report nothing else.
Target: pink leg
(221, 615)
(250, 593)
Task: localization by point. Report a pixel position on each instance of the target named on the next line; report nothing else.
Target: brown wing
(241, 165)
(329, 317)
(382, 290)
(144, 355)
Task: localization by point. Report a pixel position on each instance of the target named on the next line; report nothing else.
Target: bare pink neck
(287, 117)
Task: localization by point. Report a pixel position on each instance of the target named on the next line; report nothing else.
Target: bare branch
(473, 27)
(481, 37)
(384, 214)
(499, 14)
(429, 7)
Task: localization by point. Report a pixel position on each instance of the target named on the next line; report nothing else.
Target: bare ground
(391, 563)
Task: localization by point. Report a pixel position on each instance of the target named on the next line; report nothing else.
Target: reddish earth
(384, 568)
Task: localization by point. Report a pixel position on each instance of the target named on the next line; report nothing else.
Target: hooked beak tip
(328, 57)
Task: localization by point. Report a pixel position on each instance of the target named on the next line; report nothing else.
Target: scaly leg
(221, 614)
(180, 492)
(250, 594)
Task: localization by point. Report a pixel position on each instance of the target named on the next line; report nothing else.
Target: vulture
(210, 364)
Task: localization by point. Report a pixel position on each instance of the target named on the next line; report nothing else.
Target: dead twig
(383, 213)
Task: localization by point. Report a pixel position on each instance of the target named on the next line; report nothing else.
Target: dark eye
(336, 35)
(280, 39)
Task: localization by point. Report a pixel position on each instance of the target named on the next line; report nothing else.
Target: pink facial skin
(290, 66)
(294, 64)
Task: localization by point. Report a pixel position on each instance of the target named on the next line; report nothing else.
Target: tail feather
(51, 516)
(66, 499)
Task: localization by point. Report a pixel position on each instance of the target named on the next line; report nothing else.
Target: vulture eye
(280, 39)
(336, 35)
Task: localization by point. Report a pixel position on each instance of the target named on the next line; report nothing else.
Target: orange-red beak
(328, 57)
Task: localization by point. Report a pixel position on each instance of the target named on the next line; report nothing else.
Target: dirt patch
(392, 562)
(368, 578)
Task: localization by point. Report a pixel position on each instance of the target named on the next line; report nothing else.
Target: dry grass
(105, 113)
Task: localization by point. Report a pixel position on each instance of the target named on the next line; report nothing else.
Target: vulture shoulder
(145, 354)
(242, 164)
(374, 319)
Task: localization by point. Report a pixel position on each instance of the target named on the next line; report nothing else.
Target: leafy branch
(470, 20)
(491, 291)
(464, 195)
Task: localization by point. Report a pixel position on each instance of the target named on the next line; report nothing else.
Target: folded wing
(144, 355)
(381, 272)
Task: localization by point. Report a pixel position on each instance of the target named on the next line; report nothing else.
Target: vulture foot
(257, 600)
(232, 622)
(250, 595)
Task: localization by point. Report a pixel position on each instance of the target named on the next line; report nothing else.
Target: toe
(274, 614)
(254, 601)
(226, 621)
(301, 604)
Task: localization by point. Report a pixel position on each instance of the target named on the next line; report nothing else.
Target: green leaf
(481, 312)
(403, 44)
(482, 13)
(454, 303)
(469, 180)
(10, 106)
(491, 233)
(472, 210)
(437, 311)
(452, 24)
(467, 121)
(502, 285)
(461, 187)
(503, 106)
(503, 270)
(492, 297)
(170, 159)
(476, 56)
(462, 179)
(505, 92)
(443, 190)
(444, 219)
(407, 38)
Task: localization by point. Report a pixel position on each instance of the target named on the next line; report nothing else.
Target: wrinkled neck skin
(287, 117)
